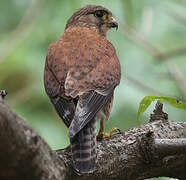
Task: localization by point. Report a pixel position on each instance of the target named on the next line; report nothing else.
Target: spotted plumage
(81, 73)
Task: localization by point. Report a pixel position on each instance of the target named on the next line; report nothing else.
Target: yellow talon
(103, 134)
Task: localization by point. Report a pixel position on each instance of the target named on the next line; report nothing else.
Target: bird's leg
(113, 130)
(102, 134)
(101, 130)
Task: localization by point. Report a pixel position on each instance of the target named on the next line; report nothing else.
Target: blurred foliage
(27, 27)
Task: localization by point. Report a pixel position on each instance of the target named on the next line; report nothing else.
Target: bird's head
(94, 17)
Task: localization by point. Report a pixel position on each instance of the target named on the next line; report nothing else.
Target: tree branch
(170, 146)
(135, 154)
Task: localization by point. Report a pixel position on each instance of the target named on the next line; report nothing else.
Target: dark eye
(99, 14)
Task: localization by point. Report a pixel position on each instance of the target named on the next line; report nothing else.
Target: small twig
(171, 53)
(143, 87)
(140, 40)
(177, 17)
(3, 93)
(158, 113)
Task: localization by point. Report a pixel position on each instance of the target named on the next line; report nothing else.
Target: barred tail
(83, 147)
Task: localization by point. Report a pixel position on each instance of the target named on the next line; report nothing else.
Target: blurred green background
(150, 42)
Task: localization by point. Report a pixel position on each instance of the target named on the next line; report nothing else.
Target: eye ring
(99, 14)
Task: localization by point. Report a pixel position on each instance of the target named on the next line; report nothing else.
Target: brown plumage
(81, 73)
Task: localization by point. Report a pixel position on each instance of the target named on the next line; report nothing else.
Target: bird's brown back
(79, 61)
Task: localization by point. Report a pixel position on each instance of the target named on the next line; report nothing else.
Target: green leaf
(144, 104)
(146, 101)
(175, 102)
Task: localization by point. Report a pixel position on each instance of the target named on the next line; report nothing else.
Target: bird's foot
(101, 135)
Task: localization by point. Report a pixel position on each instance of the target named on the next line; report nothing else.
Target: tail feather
(83, 147)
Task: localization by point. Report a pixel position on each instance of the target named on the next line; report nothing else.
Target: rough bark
(151, 150)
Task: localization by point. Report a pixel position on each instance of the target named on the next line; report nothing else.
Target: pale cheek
(104, 28)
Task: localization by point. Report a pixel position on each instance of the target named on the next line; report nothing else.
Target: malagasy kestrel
(81, 72)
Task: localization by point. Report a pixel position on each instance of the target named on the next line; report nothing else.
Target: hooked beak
(113, 23)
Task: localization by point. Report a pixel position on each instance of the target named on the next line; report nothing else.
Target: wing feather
(65, 109)
(88, 105)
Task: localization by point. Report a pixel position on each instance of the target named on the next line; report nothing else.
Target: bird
(81, 73)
